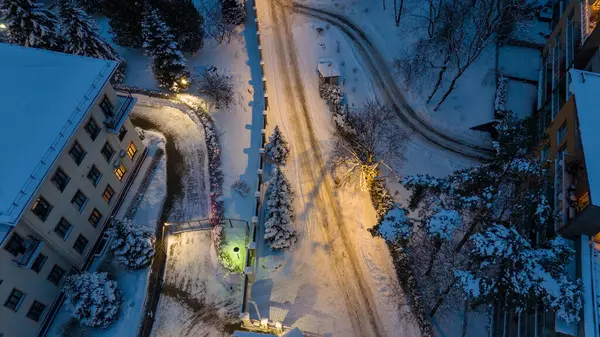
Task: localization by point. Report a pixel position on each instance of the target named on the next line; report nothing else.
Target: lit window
(131, 150)
(108, 194)
(120, 171)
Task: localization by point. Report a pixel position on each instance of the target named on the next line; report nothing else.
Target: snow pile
(132, 244)
(279, 227)
(93, 299)
(277, 148)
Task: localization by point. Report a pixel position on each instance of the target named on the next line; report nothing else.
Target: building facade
(55, 207)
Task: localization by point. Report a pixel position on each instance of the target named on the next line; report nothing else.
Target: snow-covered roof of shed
(328, 67)
(585, 87)
(45, 95)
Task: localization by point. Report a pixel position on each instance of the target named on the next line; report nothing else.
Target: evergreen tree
(124, 18)
(279, 227)
(29, 24)
(277, 148)
(92, 6)
(93, 299)
(132, 244)
(168, 63)
(233, 12)
(185, 23)
(82, 38)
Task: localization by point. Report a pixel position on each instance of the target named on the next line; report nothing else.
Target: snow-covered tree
(29, 24)
(82, 38)
(505, 265)
(279, 227)
(185, 23)
(394, 226)
(233, 12)
(277, 148)
(132, 244)
(168, 63)
(217, 85)
(376, 141)
(124, 19)
(333, 95)
(92, 6)
(93, 299)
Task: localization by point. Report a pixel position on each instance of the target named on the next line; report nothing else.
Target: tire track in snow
(358, 298)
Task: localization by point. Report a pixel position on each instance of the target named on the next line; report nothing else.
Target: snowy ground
(132, 284)
(197, 295)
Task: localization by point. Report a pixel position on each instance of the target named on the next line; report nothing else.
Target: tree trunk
(441, 298)
(465, 319)
(438, 83)
(466, 237)
(450, 89)
(398, 11)
(437, 246)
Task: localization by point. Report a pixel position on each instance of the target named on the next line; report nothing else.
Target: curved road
(376, 64)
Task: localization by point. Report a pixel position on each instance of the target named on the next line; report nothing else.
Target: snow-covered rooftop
(328, 67)
(45, 95)
(585, 87)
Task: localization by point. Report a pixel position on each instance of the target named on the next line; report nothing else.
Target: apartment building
(69, 150)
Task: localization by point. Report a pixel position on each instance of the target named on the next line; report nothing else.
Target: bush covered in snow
(279, 226)
(167, 60)
(217, 85)
(277, 148)
(93, 299)
(333, 95)
(132, 244)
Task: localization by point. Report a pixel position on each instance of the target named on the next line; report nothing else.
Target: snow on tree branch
(277, 148)
(217, 85)
(132, 244)
(279, 226)
(93, 299)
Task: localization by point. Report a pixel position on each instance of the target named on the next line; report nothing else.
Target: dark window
(14, 300)
(41, 208)
(120, 171)
(77, 153)
(15, 245)
(94, 175)
(56, 274)
(106, 107)
(63, 228)
(79, 200)
(107, 151)
(122, 133)
(108, 194)
(60, 179)
(131, 150)
(38, 263)
(95, 217)
(36, 311)
(92, 128)
(80, 244)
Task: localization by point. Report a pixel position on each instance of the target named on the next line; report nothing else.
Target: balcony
(30, 249)
(114, 123)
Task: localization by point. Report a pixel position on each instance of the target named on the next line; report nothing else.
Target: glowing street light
(183, 81)
(2, 26)
(237, 251)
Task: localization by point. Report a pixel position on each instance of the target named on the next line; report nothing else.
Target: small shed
(328, 71)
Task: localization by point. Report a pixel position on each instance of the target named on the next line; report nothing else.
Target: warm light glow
(183, 80)
(2, 26)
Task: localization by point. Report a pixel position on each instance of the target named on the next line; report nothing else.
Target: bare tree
(398, 7)
(217, 85)
(214, 25)
(374, 140)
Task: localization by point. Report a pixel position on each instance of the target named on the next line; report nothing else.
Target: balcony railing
(31, 247)
(126, 103)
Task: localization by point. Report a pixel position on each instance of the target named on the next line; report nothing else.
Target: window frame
(112, 194)
(81, 207)
(40, 314)
(63, 222)
(98, 177)
(107, 107)
(135, 151)
(76, 244)
(99, 217)
(77, 146)
(19, 302)
(51, 277)
(122, 133)
(8, 246)
(92, 128)
(120, 171)
(39, 265)
(107, 147)
(62, 175)
(38, 201)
